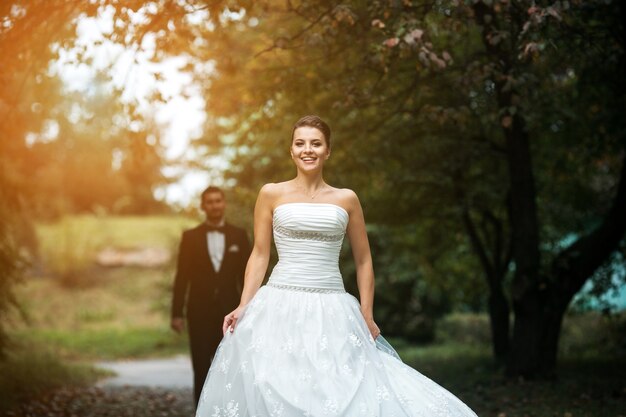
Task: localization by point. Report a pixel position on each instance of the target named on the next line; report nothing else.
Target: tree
(23, 68)
(71, 151)
(442, 64)
(46, 143)
(542, 295)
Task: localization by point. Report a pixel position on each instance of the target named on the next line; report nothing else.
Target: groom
(209, 278)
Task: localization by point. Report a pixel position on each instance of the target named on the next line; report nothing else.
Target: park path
(172, 372)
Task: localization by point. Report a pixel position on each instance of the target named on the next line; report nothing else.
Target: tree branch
(297, 35)
(581, 259)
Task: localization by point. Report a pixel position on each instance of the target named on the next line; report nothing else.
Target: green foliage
(423, 98)
(415, 286)
(91, 162)
(67, 150)
(589, 335)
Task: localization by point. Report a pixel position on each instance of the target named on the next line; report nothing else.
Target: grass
(591, 378)
(119, 231)
(587, 388)
(124, 316)
(70, 245)
(109, 344)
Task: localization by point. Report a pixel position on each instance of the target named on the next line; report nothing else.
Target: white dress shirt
(216, 243)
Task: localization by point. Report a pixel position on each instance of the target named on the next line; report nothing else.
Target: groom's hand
(178, 324)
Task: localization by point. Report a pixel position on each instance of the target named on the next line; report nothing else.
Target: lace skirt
(301, 352)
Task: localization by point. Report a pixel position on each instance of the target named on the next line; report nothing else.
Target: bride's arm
(362, 261)
(259, 257)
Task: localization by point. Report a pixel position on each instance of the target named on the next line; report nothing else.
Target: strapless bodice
(308, 238)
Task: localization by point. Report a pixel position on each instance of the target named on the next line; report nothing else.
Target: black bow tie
(211, 228)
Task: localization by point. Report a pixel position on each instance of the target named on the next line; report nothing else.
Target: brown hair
(211, 189)
(317, 123)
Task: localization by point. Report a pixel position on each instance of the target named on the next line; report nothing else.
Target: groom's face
(213, 205)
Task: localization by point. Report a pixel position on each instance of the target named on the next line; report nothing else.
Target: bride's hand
(372, 326)
(230, 320)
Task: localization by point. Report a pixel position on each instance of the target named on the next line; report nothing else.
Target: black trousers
(204, 337)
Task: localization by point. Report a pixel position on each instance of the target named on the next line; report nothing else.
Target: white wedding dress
(302, 348)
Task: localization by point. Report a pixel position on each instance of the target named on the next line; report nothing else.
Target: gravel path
(111, 401)
(151, 387)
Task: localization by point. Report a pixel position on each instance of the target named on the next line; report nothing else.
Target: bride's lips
(308, 160)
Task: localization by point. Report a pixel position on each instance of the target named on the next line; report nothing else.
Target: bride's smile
(309, 148)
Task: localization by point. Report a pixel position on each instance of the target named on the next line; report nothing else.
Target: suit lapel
(227, 242)
(204, 247)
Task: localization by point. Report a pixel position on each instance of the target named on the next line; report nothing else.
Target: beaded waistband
(306, 289)
(308, 234)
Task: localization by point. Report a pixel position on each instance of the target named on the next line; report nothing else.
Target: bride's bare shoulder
(346, 198)
(272, 192)
(276, 188)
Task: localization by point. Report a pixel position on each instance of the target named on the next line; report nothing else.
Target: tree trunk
(527, 290)
(539, 314)
(573, 267)
(499, 321)
(554, 310)
(495, 271)
(578, 262)
(527, 330)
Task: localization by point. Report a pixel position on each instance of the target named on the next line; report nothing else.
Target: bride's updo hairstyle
(316, 122)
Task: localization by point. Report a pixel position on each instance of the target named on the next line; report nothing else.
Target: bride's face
(309, 148)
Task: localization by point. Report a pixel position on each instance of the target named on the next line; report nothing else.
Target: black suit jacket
(200, 293)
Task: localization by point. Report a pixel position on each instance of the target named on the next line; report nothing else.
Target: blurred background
(485, 139)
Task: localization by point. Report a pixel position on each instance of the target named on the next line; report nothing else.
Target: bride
(300, 345)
